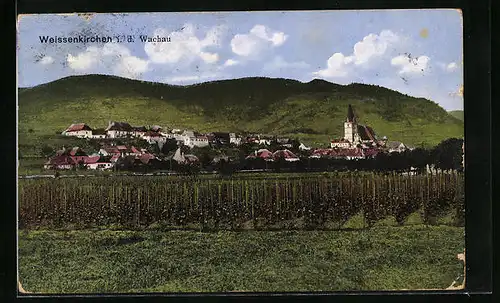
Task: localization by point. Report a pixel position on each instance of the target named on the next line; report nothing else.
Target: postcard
(249, 152)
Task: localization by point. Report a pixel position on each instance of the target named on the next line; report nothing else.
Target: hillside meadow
(313, 112)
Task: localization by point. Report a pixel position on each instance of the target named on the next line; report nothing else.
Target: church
(356, 134)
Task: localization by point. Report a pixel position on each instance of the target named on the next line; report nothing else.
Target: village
(359, 142)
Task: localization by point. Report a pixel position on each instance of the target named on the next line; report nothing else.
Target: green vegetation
(313, 112)
(258, 202)
(459, 114)
(112, 261)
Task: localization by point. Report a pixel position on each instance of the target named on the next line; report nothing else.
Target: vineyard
(237, 203)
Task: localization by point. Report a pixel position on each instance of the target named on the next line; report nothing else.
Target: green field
(123, 261)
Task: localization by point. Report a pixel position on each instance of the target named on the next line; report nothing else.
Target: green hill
(313, 111)
(459, 114)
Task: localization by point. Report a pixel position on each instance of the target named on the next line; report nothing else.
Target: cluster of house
(359, 142)
(152, 134)
(106, 158)
(267, 155)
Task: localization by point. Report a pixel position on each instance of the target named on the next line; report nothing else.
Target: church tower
(351, 126)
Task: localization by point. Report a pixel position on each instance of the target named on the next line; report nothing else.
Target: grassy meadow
(385, 257)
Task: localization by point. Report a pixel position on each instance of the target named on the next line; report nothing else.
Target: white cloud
(185, 46)
(84, 60)
(411, 66)
(336, 66)
(258, 39)
(279, 63)
(132, 66)
(452, 66)
(373, 46)
(46, 60)
(231, 62)
(111, 57)
(276, 38)
(209, 57)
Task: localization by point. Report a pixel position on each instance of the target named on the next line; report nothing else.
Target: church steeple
(351, 126)
(350, 115)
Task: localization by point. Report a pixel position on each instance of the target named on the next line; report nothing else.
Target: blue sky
(417, 52)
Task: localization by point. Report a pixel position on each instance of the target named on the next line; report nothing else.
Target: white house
(99, 133)
(199, 141)
(342, 143)
(80, 130)
(189, 138)
(154, 137)
(119, 130)
(234, 139)
(188, 133)
(264, 141)
(303, 147)
(395, 146)
(167, 135)
(100, 165)
(139, 131)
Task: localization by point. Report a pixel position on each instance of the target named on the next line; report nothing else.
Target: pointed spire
(350, 114)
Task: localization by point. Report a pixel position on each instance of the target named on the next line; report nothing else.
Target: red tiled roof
(61, 160)
(370, 152)
(331, 152)
(112, 150)
(91, 160)
(356, 152)
(264, 153)
(77, 127)
(261, 153)
(285, 153)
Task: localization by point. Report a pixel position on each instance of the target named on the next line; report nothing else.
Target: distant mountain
(459, 114)
(313, 111)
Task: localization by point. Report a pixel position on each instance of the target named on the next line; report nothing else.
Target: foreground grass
(382, 258)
